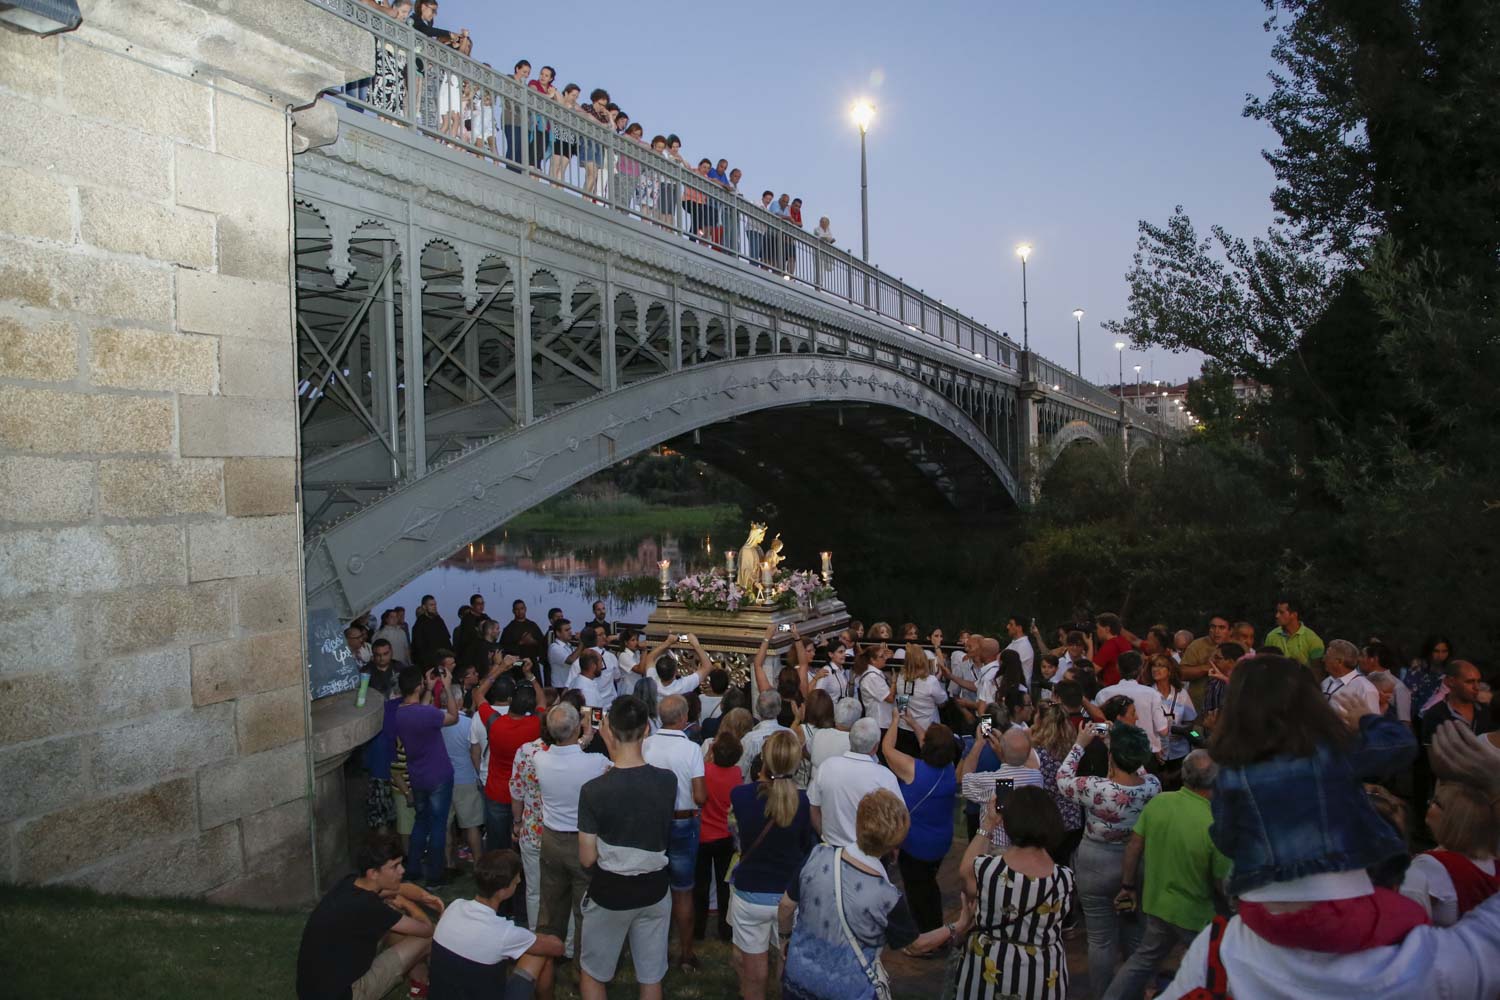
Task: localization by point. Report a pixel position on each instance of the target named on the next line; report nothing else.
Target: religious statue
(750, 555)
(773, 555)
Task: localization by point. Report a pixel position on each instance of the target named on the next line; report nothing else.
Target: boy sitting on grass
(473, 944)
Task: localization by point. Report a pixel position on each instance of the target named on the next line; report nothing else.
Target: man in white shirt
(1341, 660)
(987, 676)
(1015, 629)
(629, 657)
(1149, 714)
(661, 666)
(472, 942)
(961, 665)
(592, 638)
(767, 708)
(830, 743)
(841, 782)
(561, 655)
(560, 773)
(671, 750)
(597, 685)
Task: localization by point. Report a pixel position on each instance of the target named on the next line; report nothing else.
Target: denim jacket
(1290, 817)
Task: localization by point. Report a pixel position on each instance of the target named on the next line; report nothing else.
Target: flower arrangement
(716, 590)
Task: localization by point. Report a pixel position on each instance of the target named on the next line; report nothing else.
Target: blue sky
(1059, 124)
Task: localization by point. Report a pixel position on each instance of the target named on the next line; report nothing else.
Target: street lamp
(1120, 350)
(1137, 385)
(1023, 251)
(863, 114)
(1078, 319)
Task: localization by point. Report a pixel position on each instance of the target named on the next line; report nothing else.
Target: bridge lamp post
(863, 114)
(1137, 385)
(1078, 321)
(1120, 350)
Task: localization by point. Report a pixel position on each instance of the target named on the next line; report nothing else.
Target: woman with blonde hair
(775, 830)
(737, 722)
(1052, 737)
(918, 693)
(1460, 873)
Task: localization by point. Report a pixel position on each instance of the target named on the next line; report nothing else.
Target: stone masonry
(152, 691)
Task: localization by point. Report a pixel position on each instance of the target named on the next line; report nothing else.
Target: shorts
(564, 149)
(468, 806)
(406, 813)
(682, 854)
(385, 972)
(604, 933)
(591, 152)
(754, 925)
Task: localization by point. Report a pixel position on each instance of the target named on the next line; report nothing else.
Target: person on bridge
(521, 636)
(429, 633)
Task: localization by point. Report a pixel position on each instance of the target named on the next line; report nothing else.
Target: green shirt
(1181, 862)
(1304, 647)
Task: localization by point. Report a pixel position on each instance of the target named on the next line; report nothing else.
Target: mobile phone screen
(1003, 788)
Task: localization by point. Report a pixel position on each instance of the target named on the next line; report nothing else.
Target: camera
(902, 700)
(596, 716)
(1101, 729)
(682, 637)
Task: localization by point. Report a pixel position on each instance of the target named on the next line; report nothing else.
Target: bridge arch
(389, 541)
(1071, 433)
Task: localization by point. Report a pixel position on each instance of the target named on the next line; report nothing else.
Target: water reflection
(549, 569)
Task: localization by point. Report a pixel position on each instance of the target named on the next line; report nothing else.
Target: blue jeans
(1096, 872)
(497, 824)
(429, 831)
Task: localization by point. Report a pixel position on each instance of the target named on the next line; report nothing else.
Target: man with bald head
(670, 749)
(1017, 762)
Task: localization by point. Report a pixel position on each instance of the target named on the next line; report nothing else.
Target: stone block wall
(152, 692)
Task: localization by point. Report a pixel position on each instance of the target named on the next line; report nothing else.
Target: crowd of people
(1280, 816)
(450, 105)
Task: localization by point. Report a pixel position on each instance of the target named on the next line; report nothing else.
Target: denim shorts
(682, 853)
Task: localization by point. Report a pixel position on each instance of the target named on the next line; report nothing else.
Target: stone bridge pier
(154, 726)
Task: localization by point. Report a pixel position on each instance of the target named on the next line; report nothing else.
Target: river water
(559, 569)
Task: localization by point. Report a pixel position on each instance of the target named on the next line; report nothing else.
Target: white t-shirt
(926, 695)
(1428, 883)
(474, 932)
(708, 706)
(1457, 961)
(987, 681)
(1400, 697)
(671, 750)
(557, 657)
(1022, 646)
(960, 666)
(838, 787)
(627, 660)
(872, 689)
(1358, 684)
(827, 743)
(610, 673)
(1148, 711)
(560, 773)
(598, 692)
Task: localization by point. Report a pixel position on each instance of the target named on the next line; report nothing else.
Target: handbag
(739, 856)
(874, 971)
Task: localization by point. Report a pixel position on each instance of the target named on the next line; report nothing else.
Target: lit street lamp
(1078, 319)
(863, 114)
(1137, 385)
(1023, 251)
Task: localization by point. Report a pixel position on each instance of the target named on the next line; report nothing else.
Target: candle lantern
(729, 563)
(827, 567)
(665, 566)
(765, 574)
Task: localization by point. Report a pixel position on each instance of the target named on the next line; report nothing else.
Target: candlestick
(765, 574)
(665, 566)
(729, 563)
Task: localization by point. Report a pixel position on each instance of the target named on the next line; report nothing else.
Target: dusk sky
(1060, 124)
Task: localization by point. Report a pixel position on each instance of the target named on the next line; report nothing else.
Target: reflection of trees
(550, 554)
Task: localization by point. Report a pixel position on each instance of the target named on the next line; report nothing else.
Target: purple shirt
(420, 729)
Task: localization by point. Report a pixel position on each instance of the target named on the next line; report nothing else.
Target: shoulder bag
(874, 971)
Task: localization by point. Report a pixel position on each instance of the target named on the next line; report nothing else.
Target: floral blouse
(1072, 814)
(526, 792)
(1109, 809)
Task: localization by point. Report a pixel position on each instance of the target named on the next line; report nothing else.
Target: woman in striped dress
(1015, 948)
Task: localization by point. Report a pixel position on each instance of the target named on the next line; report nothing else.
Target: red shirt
(1107, 659)
(506, 735)
(713, 819)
